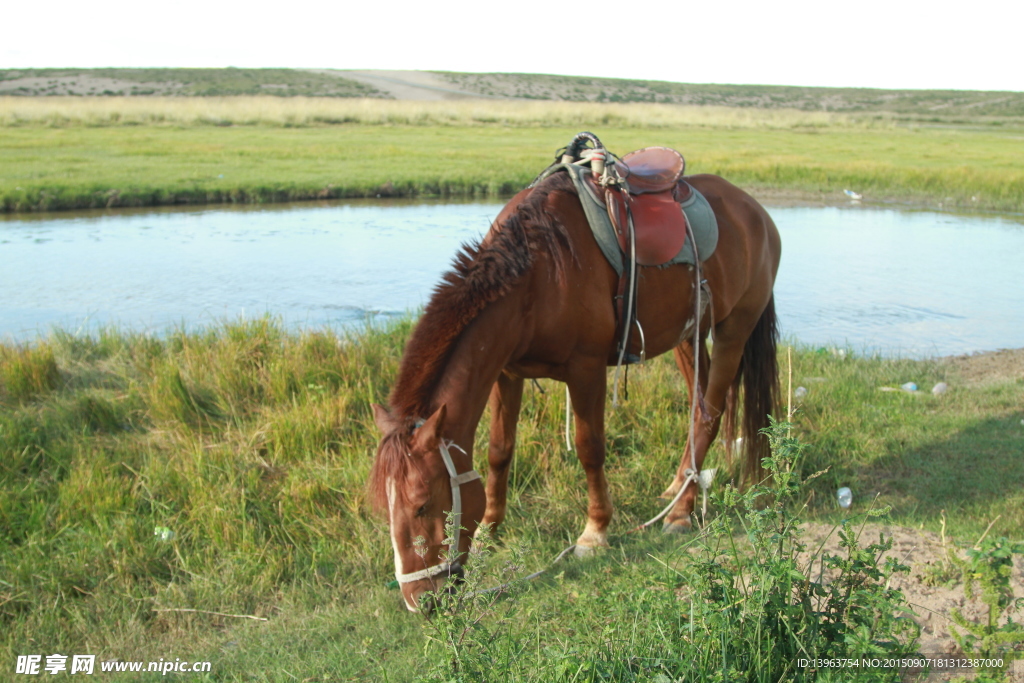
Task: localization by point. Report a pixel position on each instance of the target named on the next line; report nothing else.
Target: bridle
(457, 480)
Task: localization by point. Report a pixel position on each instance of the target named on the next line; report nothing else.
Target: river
(867, 279)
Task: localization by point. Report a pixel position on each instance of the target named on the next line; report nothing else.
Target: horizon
(516, 73)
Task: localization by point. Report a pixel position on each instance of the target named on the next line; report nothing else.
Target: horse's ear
(383, 418)
(427, 436)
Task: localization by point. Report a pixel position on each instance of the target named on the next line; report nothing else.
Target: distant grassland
(66, 153)
(950, 106)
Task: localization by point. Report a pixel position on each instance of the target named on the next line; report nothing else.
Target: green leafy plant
(470, 628)
(988, 567)
(773, 609)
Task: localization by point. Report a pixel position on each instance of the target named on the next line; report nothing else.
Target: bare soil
(406, 85)
(991, 366)
(932, 587)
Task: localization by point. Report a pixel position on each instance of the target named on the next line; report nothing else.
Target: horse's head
(421, 479)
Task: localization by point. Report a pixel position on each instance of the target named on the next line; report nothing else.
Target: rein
(457, 480)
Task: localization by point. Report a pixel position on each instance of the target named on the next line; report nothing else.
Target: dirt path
(405, 85)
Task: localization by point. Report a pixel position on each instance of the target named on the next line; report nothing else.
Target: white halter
(457, 480)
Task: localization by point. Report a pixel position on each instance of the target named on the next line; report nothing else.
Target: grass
(252, 445)
(922, 105)
(83, 154)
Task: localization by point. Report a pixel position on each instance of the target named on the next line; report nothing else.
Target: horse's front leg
(505, 401)
(587, 391)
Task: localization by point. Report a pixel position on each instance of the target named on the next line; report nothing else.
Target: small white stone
(940, 388)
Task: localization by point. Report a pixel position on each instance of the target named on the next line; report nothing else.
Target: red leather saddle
(653, 176)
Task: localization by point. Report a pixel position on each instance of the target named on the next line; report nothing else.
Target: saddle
(651, 195)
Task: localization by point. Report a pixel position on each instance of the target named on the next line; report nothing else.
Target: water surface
(876, 280)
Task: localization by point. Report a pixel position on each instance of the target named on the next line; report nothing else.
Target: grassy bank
(108, 153)
(250, 446)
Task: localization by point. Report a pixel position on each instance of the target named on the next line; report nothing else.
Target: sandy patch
(922, 550)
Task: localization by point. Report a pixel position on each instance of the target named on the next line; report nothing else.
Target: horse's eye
(421, 510)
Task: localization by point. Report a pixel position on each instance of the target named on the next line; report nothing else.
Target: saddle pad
(697, 209)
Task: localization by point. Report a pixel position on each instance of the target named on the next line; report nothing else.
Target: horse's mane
(482, 272)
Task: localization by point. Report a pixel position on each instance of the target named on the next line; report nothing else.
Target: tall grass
(319, 111)
(27, 372)
(251, 445)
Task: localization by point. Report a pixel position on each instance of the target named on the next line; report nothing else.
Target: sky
(873, 43)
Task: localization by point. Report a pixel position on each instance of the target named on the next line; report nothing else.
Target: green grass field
(251, 445)
(103, 154)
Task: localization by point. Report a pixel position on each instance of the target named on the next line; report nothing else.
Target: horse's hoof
(586, 550)
(678, 527)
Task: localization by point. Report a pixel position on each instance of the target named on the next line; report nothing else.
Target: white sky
(873, 43)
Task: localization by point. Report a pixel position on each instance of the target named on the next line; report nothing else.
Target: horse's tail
(759, 374)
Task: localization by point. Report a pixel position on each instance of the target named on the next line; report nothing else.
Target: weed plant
(988, 566)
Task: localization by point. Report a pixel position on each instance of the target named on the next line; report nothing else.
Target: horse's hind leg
(684, 361)
(505, 401)
(730, 337)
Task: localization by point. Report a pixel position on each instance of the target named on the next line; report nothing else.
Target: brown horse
(535, 299)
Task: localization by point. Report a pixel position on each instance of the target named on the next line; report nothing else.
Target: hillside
(936, 105)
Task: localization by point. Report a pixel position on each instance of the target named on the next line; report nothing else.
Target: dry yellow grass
(314, 111)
